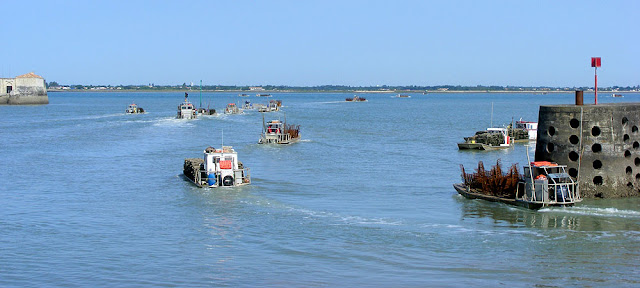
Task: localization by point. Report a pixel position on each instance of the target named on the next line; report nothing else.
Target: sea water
(90, 196)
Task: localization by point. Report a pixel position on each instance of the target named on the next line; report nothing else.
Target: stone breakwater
(600, 144)
(27, 89)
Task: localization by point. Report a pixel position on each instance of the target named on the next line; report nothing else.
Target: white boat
(218, 167)
(263, 95)
(403, 96)
(273, 106)
(134, 109)
(492, 138)
(186, 110)
(243, 95)
(247, 105)
(616, 95)
(530, 127)
(232, 108)
(276, 132)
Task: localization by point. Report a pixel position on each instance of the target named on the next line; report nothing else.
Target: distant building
(257, 88)
(23, 90)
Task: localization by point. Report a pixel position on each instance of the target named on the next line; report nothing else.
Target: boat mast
(200, 93)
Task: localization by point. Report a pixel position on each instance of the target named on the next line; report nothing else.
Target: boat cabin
(186, 110)
(548, 184)
(232, 108)
(134, 109)
(276, 132)
(222, 168)
(530, 127)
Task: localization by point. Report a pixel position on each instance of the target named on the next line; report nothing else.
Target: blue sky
(307, 43)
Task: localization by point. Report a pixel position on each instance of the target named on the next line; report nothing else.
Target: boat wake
(174, 122)
(592, 211)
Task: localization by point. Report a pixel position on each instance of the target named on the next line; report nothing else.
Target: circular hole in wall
(596, 148)
(629, 171)
(636, 145)
(551, 131)
(634, 129)
(597, 164)
(627, 154)
(597, 180)
(595, 131)
(625, 138)
(625, 120)
(638, 177)
(550, 147)
(574, 139)
(574, 123)
(573, 172)
(573, 156)
(637, 161)
(629, 184)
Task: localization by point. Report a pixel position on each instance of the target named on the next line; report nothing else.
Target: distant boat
(232, 108)
(243, 95)
(616, 95)
(134, 109)
(356, 98)
(186, 110)
(403, 96)
(263, 95)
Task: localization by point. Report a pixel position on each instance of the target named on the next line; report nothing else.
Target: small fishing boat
(403, 96)
(186, 110)
(243, 95)
(276, 132)
(616, 95)
(356, 98)
(273, 106)
(248, 105)
(531, 129)
(206, 111)
(134, 109)
(218, 167)
(491, 139)
(544, 184)
(263, 95)
(232, 108)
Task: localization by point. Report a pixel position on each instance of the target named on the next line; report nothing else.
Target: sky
(325, 42)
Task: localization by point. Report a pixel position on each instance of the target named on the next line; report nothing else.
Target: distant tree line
(336, 88)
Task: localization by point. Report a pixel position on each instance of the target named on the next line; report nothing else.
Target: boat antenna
(491, 115)
(263, 122)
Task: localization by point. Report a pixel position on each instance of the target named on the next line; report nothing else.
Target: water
(93, 197)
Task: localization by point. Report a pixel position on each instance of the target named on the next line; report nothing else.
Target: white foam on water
(593, 211)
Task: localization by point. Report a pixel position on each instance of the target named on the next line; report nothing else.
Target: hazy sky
(307, 43)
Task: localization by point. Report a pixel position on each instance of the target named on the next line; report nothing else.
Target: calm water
(90, 196)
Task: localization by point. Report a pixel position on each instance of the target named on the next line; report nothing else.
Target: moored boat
(491, 139)
(543, 184)
(403, 96)
(243, 95)
(531, 129)
(134, 109)
(263, 95)
(218, 167)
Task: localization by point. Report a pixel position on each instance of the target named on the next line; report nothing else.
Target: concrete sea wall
(600, 144)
